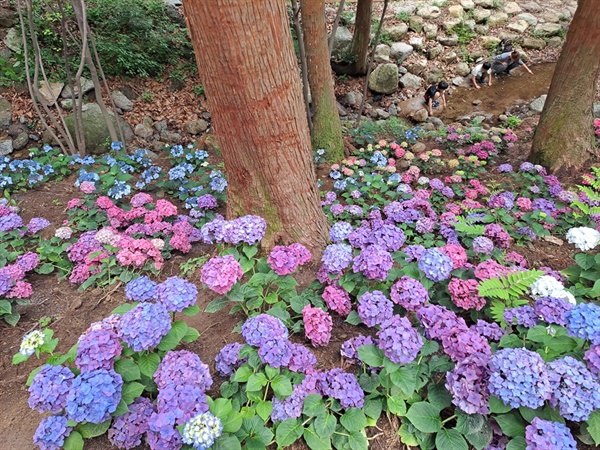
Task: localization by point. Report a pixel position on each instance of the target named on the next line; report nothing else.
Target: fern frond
(462, 225)
(506, 287)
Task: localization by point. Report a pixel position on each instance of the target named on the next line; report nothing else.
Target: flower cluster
(464, 294)
(350, 347)
(97, 349)
(127, 431)
(373, 262)
(202, 431)
(143, 327)
(141, 289)
(583, 321)
(435, 264)
(548, 286)
(286, 259)
(176, 294)
(49, 389)
(263, 328)
(344, 387)
(409, 293)
(51, 433)
(337, 299)
(467, 383)
(399, 340)
(374, 308)
(317, 325)
(221, 273)
(552, 310)
(247, 229)
(336, 257)
(94, 396)
(545, 435)
(228, 359)
(583, 238)
(31, 342)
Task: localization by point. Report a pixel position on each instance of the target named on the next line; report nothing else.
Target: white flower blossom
(31, 342)
(584, 238)
(548, 286)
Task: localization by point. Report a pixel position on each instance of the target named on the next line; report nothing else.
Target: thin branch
(371, 58)
(303, 62)
(335, 25)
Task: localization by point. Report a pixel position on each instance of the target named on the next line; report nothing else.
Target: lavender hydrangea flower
(143, 327)
(37, 224)
(161, 432)
(262, 328)
(583, 321)
(373, 262)
(464, 343)
(409, 293)
(491, 331)
(94, 396)
(49, 389)
(183, 400)
(344, 387)
(467, 383)
(374, 308)
(97, 349)
(275, 353)
(202, 431)
(436, 265)
(317, 325)
(51, 433)
(27, 261)
(552, 310)
(10, 222)
(439, 322)
(519, 377)
(127, 431)
(505, 168)
(221, 273)
(142, 289)
(527, 167)
(340, 231)
(399, 340)
(249, 229)
(182, 367)
(350, 347)
(425, 225)
(575, 390)
(522, 315)
(228, 359)
(545, 435)
(337, 257)
(483, 245)
(176, 294)
(414, 252)
(302, 359)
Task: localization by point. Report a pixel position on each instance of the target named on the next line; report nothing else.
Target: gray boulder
(414, 108)
(121, 101)
(382, 53)
(143, 131)
(529, 18)
(49, 92)
(410, 81)
(196, 126)
(485, 3)
(481, 15)
(95, 130)
(534, 43)
(547, 29)
(532, 7)
(467, 4)
(6, 147)
(5, 113)
(435, 51)
(497, 19)
(415, 23)
(20, 141)
(13, 40)
(429, 12)
(435, 75)
(384, 79)
(519, 26)
(416, 42)
(431, 30)
(86, 86)
(462, 69)
(341, 42)
(397, 32)
(400, 51)
(448, 41)
(512, 8)
(172, 138)
(538, 104)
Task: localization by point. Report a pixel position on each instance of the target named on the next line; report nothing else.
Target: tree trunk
(247, 64)
(362, 35)
(564, 138)
(327, 128)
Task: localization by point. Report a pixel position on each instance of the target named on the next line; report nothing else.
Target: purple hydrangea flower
(436, 265)
(182, 367)
(425, 225)
(302, 359)
(51, 433)
(350, 347)
(97, 349)
(127, 430)
(483, 245)
(574, 389)
(340, 231)
(262, 328)
(505, 168)
(49, 389)
(37, 224)
(409, 293)
(543, 205)
(228, 359)
(523, 315)
(462, 344)
(399, 340)
(290, 408)
(388, 236)
(176, 294)
(206, 201)
(467, 383)
(344, 387)
(439, 322)
(143, 327)
(275, 353)
(373, 262)
(592, 357)
(583, 321)
(527, 167)
(552, 310)
(221, 273)
(27, 261)
(545, 435)
(317, 325)
(142, 289)
(249, 229)
(162, 434)
(337, 257)
(10, 222)
(337, 299)
(286, 259)
(374, 308)
(491, 331)
(94, 396)
(414, 252)
(519, 377)
(183, 400)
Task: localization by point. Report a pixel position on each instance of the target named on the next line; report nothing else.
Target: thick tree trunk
(564, 138)
(362, 35)
(247, 64)
(327, 128)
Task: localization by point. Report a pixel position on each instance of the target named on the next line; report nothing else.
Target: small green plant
(147, 96)
(464, 33)
(189, 267)
(11, 72)
(513, 122)
(386, 38)
(199, 90)
(348, 17)
(402, 16)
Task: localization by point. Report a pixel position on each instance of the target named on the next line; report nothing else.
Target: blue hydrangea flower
(144, 326)
(119, 190)
(275, 352)
(51, 433)
(337, 257)
(202, 431)
(339, 231)
(435, 264)
(583, 321)
(263, 328)
(49, 389)
(142, 289)
(228, 359)
(545, 435)
(94, 396)
(176, 294)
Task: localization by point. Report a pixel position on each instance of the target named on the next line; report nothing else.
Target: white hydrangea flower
(584, 238)
(548, 286)
(423, 180)
(31, 342)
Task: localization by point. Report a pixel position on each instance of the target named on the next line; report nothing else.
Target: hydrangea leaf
(517, 443)
(73, 442)
(314, 441)
(511, 424)
(396, 406)
(354, 419)
(128, 369)
(325, 425)
(89, 430)
(450, 440)
(593, 426)
(371, 355)
(482, 438)
(256, 382)
(148, 364)
(373, 408)
(281, 385)
(497, 406)
(425, 417)
(131, 391)
(191, 311)
(314, 405)
(216, 305)
(263, 409)
(227, 442)
(288, 432)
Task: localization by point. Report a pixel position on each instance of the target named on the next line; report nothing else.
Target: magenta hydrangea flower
(317, 325)
(221, 273)
(467, 383)
(374, 262)
(399, 340)
(464, 294)
(286, 259)
(337, 299)
(457, 253)
(409, 293)
(374, 308)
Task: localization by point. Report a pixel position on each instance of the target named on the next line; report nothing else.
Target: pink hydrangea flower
(317, 325)
(140, 199)
(87, 187)
(464, 294)
(337, 299)
(457, 253)
(21, 289)
(286, 259)
(221, 273)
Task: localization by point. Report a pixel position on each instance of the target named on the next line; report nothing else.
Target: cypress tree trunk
(564, 139)
(362, 35)
(327, 128)
(247, 64)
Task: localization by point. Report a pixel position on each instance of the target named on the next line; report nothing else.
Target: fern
(509, 287)
(592, 192)
(462, 225)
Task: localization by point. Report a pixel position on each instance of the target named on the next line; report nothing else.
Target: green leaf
(191, 335)
(298, 303)
(450, 440)
(511, 424)
(405, 378)
(148, 364)
(227, 442)
(314, 406)
(125, 307)
(288, 432)
(425, 417)
(128, 369)
(264, 409)
(325, 425)
(191, 311)
(73, 442)
(517, 443)
(469, 423)
(5, 307)
(482, 438)
(354, 419)
(396, 406)
(358, 441)
(371, 355)
(89, 430)
(122, 408)
(18, 358)
(12, 319)
(216, 305)
(256, 382)
(497, 406)
(314, 440)
(511, 341)
(170, 340)
(373, 408)
(271, 372)
(45, 268)
(243, 374)
(131, 391)
(438, 396)
(353, 318)
(593, 426)
(282, 386)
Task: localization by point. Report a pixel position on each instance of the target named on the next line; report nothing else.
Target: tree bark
(564, 138)
(327, 128)
(248, 67)
(362, 35)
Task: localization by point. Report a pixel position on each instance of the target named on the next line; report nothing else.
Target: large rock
(196, 126)
(448, 41)
(489, 41)
(341, 42)
(538, 104)
(7, 17)
(400, 51)
(382, 53)
(497, 19)
(467, 4)
(551, 17)
(435, 75)
(5, 113)
(143, 131)
(429, 12)
(529, 18)
(95, 129)
(519, 26)
(49, 92)
(415, 23)
(481, 15)
(512, 8)
(6, 147)
(384, 79)
(430, 30)
(410, 81)
(456, 11)
(20, 141)
(397, 32)
(13, 40)
(547, 29)
(121, 101)
(532, 7)
(485, 3)
(434, 51)
(416, 42)
(450, 23)
(462, 69)
(534, 43)
(414, 108)
(86, 86)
